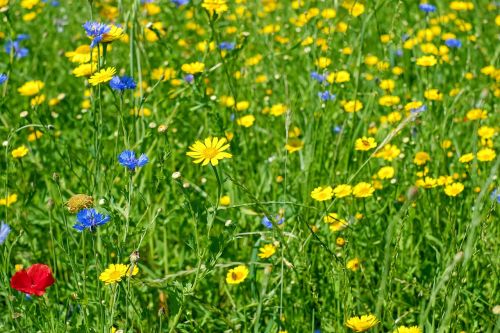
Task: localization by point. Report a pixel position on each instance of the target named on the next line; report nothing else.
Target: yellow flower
(294, 145)
(225, 200)
(466, 158)
(404, 329)
(4, 3)
(37, 100)
(29, 4)
(353, 106)
(363, 190)
(278, 109)
(114, 33)
(85, 70)
(476, 114)
(242, 106)
(355, 8)
(461, 5)
(31, 88)
(421, 158)
(486, 132)
(453, 189)
(35, 135)
(323, 62)
(486, 155)
(365, 143)
(78, 202)
(386, 172)
(20, 152)
(237, 275)
(9, 200)
(209, 151)
(342, 190)
(104, 75)
(389, 100)
(389, 152)
(267, 251)
(414, 105)
(363, 323)
(193, 68)
(353, 264)
(387, 85)
(426, 61)
(115, 272)
(340, 241)
(246, 121)
(433, 95)
(335, 222)
(215, 6)
(339, 77)
(82, 54)
(322, 193)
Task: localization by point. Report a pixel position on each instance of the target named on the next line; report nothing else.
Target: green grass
(427, 259)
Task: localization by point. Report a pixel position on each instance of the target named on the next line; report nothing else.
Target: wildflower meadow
(264, 166)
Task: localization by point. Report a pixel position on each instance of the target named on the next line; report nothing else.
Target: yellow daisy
(363, 323)
(104, 75)
(209, 151)
(237, 275)
(115, 272)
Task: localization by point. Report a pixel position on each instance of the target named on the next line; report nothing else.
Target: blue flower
(89, 218)
(326, 96)
(419, 110)
(4, 232)
(337, 129)
(189, 78)
(495, 196)
(3, 78)
(96, 30)
(454, 43)
(228, 46)
(127, 159)
(15, 48)
(318, 77)
(22, 37)
(179, 3)
(266, 222)
(122, 82)
(427, 8)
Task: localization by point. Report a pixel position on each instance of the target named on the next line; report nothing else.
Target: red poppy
(33, 280)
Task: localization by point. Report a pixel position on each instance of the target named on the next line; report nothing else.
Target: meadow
(254, 166)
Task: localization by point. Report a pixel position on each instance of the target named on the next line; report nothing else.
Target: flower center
(210, 152)
(115, 275)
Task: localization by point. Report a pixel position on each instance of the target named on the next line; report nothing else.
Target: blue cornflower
(326, 96)
(89, 218)
(419, 110)
(453, 43)
(127, 159)
(122, 82)
(189, 78)
(337, 129)
(495, 196)
(266, 222)
(179, 3)
(4, 232)
(228, 46)
(318, 77)
(22, 37)
(96, 30)
(3, 78)
(14, 47)
(427, 8)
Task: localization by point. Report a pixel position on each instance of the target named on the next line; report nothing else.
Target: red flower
(34, 280)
